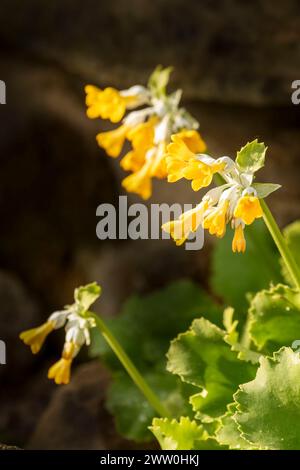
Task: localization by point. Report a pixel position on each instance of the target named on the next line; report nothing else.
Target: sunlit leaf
(251, 157)
(275, 318)
(202, 358)
(268, 408)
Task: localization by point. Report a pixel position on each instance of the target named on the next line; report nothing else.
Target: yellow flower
(159, 167)
(201, 174)
(248, 209)
(142, 135)
(182, 162)
(179, 153)
(61, 370)
(192, 140)
(144, 165)
(215, 221)
(239, 242)
(113, 141)
(36, 336)
(106, 104)
(140, 181)
(110, 103)
(133, 160)
(188, 222)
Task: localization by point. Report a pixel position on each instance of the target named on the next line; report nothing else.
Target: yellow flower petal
(158, 166)
(133, 161)
(60, 372)
(181, 161)
(188, 222)
(142, 135)
(193, 140)
(248, 209)
(140, 181)
(106, 104)
(179, 150)
(215, 221)
(113, 141)
(35, 337)
(239, 242)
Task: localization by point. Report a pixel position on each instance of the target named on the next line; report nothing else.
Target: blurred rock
(18, 312)
(49, 204)
(76, 417)
(24, 395)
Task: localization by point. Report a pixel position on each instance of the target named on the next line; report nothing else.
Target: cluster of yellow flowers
(77, 322)
(165, 143)
(148, 129)
(236, 201)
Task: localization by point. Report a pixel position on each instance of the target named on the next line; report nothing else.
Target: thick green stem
(130, 368)
(280, 242)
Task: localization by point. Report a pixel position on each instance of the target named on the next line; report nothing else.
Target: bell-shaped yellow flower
(113, 141)
(182, 162)
(105, 104)
(133, 160)
(179, 150)
(192, 140)
(140, 181)
(142, 135)
(60, 372)
(35, 337)
(188, 222)
(248, 209)
(199, 173)
(215, 221)
(239, 242)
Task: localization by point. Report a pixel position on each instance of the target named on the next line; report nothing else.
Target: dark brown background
(234, 60)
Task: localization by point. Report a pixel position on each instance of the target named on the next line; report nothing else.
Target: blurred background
(235, 62)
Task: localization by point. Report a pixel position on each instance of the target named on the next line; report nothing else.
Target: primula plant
(236, 201)
(208, 374)
(148, 130)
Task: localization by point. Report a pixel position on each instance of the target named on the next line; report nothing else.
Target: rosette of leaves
(248, 383)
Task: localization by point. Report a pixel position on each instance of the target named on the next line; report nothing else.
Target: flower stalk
(128, 365)
(281, 244)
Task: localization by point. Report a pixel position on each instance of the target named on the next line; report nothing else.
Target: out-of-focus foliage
(234, 276)
(145, 328)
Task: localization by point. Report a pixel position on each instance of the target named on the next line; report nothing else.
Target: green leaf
(159, 80)
(275, 318)
(147, 324)
(85, 296)
(133, 413)
(234, 275)
(292, 237)
(268, 408)
(251, 157)
(145, 328)
(232, 338)
(184, 434)
(229, 435)
(265, 189)
(230, 325)
(202, 358)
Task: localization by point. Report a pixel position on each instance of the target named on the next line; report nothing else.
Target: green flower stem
(280, 242)
(130, 368)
